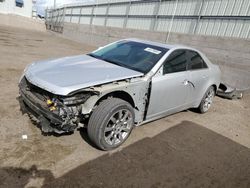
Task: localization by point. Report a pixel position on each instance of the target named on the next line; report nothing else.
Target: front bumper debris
(228, 92)
(48, 121)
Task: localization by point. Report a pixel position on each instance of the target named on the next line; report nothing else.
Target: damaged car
(121, 85)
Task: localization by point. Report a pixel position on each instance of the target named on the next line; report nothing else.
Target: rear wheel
(207, 100)
(111, 123)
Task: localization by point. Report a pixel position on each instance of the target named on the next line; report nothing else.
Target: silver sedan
(119, 86)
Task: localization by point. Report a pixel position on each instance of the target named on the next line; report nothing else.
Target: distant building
(18, 7)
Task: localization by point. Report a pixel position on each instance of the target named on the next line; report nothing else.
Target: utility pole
(54, 4)
(172, 21)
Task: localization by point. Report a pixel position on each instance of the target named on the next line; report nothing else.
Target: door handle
(191, 83)
(186, 82)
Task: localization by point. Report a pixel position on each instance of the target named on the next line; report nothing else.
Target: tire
(207, 100)
(111, 123)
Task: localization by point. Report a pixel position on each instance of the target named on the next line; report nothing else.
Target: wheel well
(118, 94)
(215, 87)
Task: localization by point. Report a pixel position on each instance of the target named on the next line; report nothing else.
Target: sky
(41, 5)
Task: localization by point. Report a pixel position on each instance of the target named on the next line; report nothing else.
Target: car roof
(168, 46)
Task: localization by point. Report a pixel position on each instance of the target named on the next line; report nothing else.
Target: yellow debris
(52, 108)
(49, 102)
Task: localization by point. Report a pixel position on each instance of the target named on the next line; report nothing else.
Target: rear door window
(196, 61)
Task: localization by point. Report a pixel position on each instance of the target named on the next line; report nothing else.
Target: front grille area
(35, 99)
(31, 92)
(41, 94)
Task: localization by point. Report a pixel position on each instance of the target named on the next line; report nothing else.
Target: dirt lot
(183, 150)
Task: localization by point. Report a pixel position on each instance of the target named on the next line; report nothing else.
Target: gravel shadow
(186, 155)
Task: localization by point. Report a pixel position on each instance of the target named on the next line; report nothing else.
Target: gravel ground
(183, 150)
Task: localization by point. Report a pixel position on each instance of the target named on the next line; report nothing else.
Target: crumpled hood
(65, 75)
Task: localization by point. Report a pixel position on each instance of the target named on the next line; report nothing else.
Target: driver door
(169, 90)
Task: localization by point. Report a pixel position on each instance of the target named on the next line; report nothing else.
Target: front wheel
(207, 100)
(111, 123)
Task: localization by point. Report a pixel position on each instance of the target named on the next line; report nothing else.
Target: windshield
(133, 55)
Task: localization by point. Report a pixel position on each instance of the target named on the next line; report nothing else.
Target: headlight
(76, 99)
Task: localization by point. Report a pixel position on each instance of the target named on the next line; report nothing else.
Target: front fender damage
(137, 89)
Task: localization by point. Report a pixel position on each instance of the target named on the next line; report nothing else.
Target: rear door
(198, 75)
(169, 90)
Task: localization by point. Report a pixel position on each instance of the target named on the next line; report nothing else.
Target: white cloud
(41, 5)
(60, 2)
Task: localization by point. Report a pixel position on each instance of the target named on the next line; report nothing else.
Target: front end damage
(63, 114)
(52, 113)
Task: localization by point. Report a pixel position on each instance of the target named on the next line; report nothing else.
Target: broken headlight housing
(75, 99)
